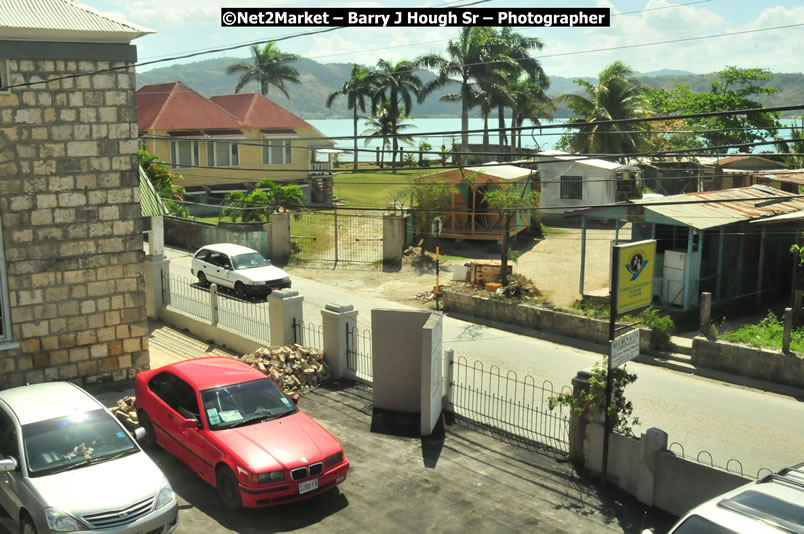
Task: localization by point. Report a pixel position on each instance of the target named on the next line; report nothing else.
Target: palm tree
(528, 101)
(384, 125)
(269, 67)
(517, 48)
(395, 83)
(356, 90)
(617, 95)
(476, 55)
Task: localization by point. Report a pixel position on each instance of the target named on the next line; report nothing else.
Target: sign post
(631, 289)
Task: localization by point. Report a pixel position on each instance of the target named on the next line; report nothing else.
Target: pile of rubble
(292, 367)
(126, 412)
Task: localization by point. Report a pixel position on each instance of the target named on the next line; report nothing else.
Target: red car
(239, 431)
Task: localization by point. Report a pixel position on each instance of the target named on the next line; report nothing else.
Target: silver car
(68, 465)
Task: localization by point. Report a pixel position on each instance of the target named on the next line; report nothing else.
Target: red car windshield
(244, 404)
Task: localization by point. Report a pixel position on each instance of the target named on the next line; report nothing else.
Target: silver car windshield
(244, 404)
(249, 261)
(74, 441)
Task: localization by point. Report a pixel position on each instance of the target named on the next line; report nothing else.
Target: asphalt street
(724, 424)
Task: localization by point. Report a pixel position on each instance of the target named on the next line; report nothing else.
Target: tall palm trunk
(485, 131)
(501, 124)
(355, 124)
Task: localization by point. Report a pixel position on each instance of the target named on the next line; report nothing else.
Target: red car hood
(288, 442)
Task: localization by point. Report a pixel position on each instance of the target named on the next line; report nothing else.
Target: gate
(336, 237)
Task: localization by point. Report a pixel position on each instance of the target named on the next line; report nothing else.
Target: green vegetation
(767, 333)
(551, 231)
(164, 183)
(619, 411)
(269, 67)
(375, 189)
(507, 200)
(265, 199)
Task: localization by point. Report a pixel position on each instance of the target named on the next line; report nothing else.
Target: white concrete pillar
(155, 267)
(156, 237)
(285, 305)
(335, 320)
(213, 304)
(651, 443)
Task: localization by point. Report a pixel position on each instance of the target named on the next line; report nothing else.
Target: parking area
(466, 480)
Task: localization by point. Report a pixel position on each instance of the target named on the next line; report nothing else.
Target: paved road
(728, 422)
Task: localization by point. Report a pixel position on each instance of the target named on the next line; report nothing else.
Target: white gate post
(336, 321)
(213, 304)
(285, 306)
(449, 362)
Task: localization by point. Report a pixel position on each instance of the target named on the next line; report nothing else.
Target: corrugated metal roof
(150, 203)
(581, 160)
(746, 204)
(506, 172)
(63, 20)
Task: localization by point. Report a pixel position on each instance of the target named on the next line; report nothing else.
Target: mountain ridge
(209, 78)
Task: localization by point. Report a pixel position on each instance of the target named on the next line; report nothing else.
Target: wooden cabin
(466, 214)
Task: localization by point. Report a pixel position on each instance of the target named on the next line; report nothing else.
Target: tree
(258, 205)
(528, 101)
(386, 124)
(395, 84)
(424, 146)
(617, 95)
(428, 195)
(734, 89)
(792, 147)
(269, 67)
(508, 200)
(517, 48)
(478, 54)
(163, 182)
(356, 90)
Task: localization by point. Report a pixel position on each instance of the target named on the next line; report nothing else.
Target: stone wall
(192, 235)
(71, 223)
(764, 364)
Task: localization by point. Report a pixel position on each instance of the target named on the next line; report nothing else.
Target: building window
(276, 152)
(5, 316)
(183, 154)
(223, 154)
(571, 187)
(5, 77)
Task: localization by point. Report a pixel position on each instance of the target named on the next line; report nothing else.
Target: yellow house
(229, 141)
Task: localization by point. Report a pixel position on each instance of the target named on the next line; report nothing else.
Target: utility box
(484, 271)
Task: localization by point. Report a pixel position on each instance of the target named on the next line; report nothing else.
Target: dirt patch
(552, 262)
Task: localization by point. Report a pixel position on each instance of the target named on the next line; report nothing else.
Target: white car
(68, 465)
(773, 504)
(240, 268)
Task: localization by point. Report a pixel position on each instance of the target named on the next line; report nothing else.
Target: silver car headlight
(58, 521)
(165, 495)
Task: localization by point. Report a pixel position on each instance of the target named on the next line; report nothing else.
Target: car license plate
(308, 485)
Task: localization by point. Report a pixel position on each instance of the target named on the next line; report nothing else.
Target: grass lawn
(375, 189)
(768, 333)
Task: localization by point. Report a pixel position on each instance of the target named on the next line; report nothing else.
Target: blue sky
(184, 26)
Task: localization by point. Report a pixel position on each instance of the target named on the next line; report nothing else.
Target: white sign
(625, 348)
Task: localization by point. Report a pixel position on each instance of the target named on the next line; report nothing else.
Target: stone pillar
(706, 312)
(788, 327)
(155, 267)
(335, 319)
(213, 304)
(650, 444)
(393, 239)
(285, 305)
(578, 423)
(279, 238)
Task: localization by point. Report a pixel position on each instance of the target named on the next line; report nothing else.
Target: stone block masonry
(71, 225)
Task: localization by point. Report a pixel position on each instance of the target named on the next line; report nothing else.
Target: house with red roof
(227, 142)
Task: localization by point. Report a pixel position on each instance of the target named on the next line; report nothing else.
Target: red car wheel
(228, 489)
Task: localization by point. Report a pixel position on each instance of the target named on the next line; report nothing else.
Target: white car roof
(40, 402)
(229, 248)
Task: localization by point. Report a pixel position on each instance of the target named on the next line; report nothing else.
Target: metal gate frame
(332, 236)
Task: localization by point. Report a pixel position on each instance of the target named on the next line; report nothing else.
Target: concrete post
(156, 237)
(706, 312)
(449, 374)
(788, 327)
(335, 320)
(280, 238)
(213, 304)
(577, 426)
(393, 239)
(285, 305)
(650, 444)
(155, 267)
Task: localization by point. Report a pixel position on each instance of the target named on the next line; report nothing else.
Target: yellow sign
(635, 262)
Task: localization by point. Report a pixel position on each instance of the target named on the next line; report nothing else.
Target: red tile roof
(257, 111)
(174, 106)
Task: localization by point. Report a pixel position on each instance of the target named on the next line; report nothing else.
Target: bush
(662, 325)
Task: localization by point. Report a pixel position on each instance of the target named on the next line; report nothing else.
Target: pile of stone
(292, 367)
(126, 412)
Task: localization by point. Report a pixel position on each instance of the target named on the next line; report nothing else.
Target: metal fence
(308, 334)
(502, 401)
(249, 319)
(732, 465)
(336, 236)
(358, 353)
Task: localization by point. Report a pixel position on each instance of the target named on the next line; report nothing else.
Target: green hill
(307, 99)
